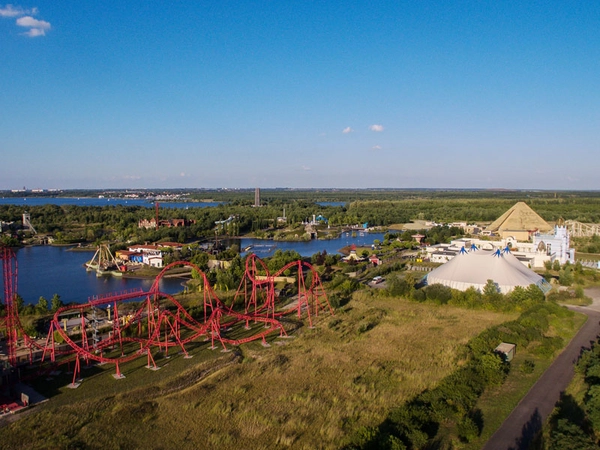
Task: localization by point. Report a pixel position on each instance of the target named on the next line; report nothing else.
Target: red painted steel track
(154, 321)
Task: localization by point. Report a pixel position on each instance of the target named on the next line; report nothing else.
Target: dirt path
(522, 425)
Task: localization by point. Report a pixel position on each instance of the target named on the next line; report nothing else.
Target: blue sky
(300, 94)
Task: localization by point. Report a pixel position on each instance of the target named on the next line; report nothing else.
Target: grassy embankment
(308, 392)
(497, 403)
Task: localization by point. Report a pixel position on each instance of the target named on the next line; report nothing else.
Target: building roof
(519, 218)
(474, 268)
(169, 244)
(134, 248)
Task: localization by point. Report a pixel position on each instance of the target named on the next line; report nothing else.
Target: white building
(545, 247)
(151, 255)
(556, 246)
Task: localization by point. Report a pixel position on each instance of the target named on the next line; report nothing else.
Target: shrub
(565, 277)
(548, 346)
(438, 293)
(397, 287)
(58, 337)
(467, 429)
(419, 295)
(528, 366)
(492, 369)
(592, 406)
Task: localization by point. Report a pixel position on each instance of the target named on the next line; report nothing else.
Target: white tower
(27, 223)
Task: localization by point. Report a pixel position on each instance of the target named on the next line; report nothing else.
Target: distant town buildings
(167, 223)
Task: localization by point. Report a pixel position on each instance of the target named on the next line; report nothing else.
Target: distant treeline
(271, 195)
(376, 207)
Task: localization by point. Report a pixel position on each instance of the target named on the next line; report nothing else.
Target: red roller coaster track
(157, 321)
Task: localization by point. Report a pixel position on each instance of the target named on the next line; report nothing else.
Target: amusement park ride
(142, 322)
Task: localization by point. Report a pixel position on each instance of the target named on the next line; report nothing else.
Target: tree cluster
(576, 425)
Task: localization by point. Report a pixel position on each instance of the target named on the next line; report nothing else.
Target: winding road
(521, 426)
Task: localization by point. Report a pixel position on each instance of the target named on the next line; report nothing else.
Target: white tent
(475, 267)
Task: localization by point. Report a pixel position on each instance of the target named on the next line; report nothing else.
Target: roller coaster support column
(50, 344)
(9, 269)
(76, 369)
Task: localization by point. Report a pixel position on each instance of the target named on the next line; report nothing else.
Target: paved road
(521, 426)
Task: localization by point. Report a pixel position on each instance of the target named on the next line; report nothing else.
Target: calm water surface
(332, 203)
(46, 270)
(91, 201)
(263, 248)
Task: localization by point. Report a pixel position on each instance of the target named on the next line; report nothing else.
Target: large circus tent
(475, 267)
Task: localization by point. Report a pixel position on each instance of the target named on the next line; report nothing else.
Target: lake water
(332, 203)
(47, 270)
(92, 201)
(263, 248)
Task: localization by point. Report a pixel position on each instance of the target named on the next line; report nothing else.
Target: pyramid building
(519, 222)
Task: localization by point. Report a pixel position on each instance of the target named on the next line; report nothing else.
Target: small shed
(506, 350)
(374, 259)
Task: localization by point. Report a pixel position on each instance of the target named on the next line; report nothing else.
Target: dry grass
(307, 392)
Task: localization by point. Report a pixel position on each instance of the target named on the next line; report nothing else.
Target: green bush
(438, 293)
(419, 295)
(467, 429)
(548, 346)
(592, 406)
(528, 366)
(397, 287)
(492, 369)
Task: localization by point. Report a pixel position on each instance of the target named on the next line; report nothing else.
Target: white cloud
(35, 32)
(25, 19)
(306, 168)
(28, 21)
(12, 11)
(376, 127)
(376, 147)
(37, 27)
(347, 130)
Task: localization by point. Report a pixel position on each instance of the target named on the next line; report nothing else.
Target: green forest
(72, 224)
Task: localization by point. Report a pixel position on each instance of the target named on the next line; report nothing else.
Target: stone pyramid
(520, 218)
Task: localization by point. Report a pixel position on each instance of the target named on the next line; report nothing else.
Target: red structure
(11, 320)
(140, 322)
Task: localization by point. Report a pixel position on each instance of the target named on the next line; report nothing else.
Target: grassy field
(311, 391)
(588, 256)
(497, 403)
